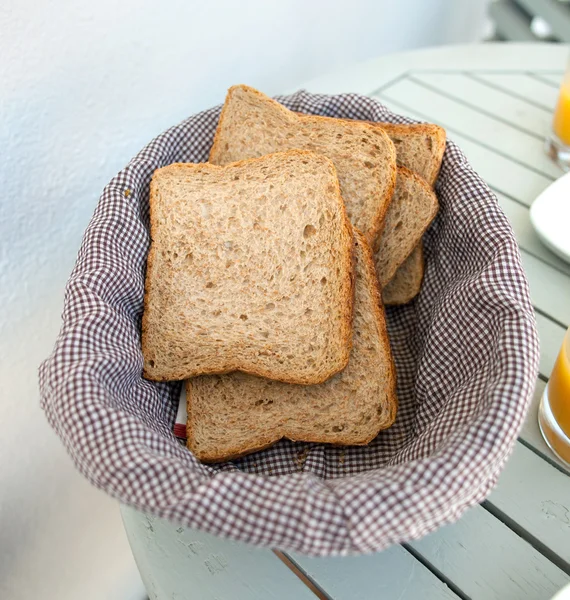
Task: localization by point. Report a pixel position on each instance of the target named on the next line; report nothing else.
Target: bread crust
(410, 175)
(437, 135)
(398, 297)
(215, 149)
(233, 454)
(377, 222)
(375, 228)
(381, 321)
(347, 270)
(267, 439)
(435, 132)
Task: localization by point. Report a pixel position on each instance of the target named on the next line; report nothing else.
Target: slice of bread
(252, 124)
(412, 209)
(419, 147)
(250, 269)
(407, 282)
(235, 414)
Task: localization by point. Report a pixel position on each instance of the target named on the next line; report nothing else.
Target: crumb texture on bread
(235, 414)
(252, 124)
(419, 147)
(407, 282)
(250, 269)
(412, 209)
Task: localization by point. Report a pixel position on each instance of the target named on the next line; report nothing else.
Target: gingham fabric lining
(466, 353)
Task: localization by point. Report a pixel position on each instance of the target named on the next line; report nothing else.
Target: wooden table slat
(549, 288)
(498, 171)
(487, 561)
(527, 87)
(551, 79)
(518, 145)
(394, 573)
(551, 336)
(536, 497)
(515, 111)
(519, 218)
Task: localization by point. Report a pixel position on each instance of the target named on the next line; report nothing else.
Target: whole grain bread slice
(412, 209)
(235, 414)
(407, 282)
(419, 147)
(250, 268)
(252, 124)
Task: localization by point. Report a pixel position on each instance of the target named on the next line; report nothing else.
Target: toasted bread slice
(407, 282)
(250, 269)
(235, 414)
(412, 209)
(252, 124)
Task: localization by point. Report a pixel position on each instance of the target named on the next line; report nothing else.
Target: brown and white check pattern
(466, 352)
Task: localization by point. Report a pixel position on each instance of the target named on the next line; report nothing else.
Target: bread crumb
(127, 192)
(342, 456)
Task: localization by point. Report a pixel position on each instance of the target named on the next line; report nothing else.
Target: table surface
(496, 102)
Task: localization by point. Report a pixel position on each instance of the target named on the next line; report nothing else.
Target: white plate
(550, 217)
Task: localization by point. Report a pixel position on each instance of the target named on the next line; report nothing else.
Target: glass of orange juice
(554, 411)
(558, 143)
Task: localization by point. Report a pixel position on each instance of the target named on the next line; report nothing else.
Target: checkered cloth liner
(466, 352)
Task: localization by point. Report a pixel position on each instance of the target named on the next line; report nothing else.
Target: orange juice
(559, 388)
(554, 414)
(561, 123)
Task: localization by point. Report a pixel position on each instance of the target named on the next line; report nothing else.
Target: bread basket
(466, 353)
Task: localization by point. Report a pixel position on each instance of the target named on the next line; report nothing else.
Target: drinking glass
(554, 411)
(558, 142)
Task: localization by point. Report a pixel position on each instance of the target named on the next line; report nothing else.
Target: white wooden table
(495, 101)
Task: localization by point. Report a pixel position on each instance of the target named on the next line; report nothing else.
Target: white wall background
(83, 86)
